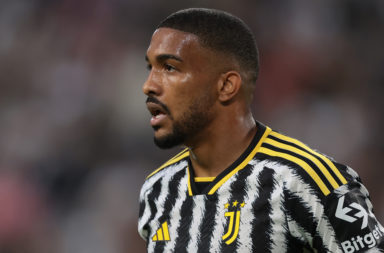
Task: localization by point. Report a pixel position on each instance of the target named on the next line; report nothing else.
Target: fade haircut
(220, 31)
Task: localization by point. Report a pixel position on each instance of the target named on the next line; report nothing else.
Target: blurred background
(75, 140)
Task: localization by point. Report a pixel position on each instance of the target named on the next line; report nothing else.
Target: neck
(221, 144)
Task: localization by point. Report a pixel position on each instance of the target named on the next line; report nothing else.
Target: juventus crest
(233, 213)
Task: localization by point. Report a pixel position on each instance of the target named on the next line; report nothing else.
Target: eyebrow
(164, 57)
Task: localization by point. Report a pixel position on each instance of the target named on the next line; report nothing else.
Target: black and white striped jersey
(278, 196)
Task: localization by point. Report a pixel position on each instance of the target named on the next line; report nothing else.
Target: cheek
(181, 82)
(182, 88)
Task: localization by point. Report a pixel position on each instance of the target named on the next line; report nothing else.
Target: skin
(191, 79)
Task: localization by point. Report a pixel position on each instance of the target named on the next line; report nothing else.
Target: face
(180, 87)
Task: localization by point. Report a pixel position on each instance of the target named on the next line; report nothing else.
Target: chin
(169, 140)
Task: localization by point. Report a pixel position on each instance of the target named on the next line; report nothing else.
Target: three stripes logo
(162, 234)
(234, 221)
(320, 168)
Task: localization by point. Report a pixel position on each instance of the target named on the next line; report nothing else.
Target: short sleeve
(143, 216)
(350, 213)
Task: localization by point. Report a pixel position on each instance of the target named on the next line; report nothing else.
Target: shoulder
(300, 165)
(321, 197)
(169, 168)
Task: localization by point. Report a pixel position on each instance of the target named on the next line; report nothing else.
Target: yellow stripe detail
(154, 238)
(324, 170)
(236, 229)
(189, 183)
(165, 231)
(326, 160)
(204, 179)
(231, 215)
(302, 164)
(160, 234)
(175, 159)
(241, 165)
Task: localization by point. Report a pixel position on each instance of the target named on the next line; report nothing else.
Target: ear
(229, 86)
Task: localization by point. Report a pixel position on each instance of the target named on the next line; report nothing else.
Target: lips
(158, 112)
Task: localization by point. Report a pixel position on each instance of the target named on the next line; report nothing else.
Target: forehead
(174, 42)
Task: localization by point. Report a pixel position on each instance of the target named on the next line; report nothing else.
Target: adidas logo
(162, 234)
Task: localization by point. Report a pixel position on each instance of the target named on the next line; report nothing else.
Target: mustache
(156, 101)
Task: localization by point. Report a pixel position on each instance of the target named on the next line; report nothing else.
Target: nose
(151, 85)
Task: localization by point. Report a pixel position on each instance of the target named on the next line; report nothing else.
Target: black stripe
(152, 198)
(195, 190)
(238, 187)
(344, 171)
(208, 224)
(185, 223)
(287, 142)
(306, 160)
(295, 245)
(238, 190)
(173, 191)
(200, 186)
(262, 223)
(313, 154)
(300, 212)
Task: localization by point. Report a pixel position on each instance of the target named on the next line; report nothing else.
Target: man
(238, 186)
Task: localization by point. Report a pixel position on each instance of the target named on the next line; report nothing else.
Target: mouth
(158, 114)
(155, 109)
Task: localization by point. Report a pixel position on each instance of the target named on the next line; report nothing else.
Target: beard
(193, 121)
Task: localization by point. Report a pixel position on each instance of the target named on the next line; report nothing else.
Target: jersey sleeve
(342, 221)
(350, 213)
(143, 215)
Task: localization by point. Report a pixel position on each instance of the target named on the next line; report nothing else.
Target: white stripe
(197, 219)
(277, 215)
(341, 190)
(175, 216)
(353, 173)
(224, 196)
(252, 193)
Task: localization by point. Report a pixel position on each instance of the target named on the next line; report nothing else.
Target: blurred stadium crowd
(75, 140)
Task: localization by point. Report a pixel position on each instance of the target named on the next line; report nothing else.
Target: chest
(232, 220)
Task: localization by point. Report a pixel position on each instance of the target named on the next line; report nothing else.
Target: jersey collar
(239, 164)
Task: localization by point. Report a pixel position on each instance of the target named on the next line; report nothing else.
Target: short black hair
(221, 31)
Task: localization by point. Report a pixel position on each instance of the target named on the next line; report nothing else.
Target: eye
(149, 66)
(169, 67)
